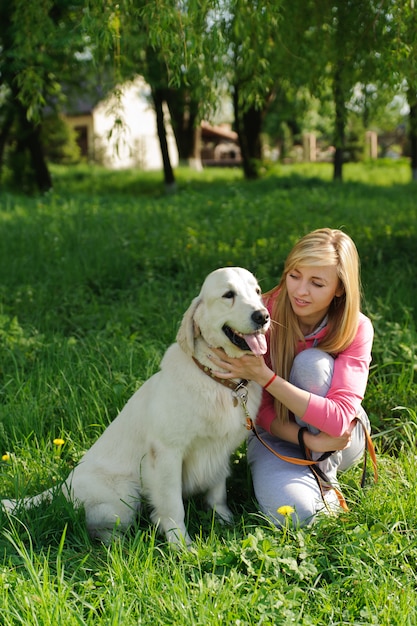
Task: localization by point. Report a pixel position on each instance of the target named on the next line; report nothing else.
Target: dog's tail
(12, 506)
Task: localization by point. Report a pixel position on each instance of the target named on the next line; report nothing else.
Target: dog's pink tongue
(257, 343)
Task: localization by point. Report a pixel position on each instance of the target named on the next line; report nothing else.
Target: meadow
(95, 277)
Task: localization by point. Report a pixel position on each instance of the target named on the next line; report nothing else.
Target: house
(220, 145)
(119, 131)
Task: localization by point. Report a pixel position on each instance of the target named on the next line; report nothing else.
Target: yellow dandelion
(59, 442)
(285, 510)
(5, 457)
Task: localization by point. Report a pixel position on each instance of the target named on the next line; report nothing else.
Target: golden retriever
(174, 437)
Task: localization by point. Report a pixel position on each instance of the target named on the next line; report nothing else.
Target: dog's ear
(188, 329)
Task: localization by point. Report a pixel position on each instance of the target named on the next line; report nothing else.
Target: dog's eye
(259, 291)
(229, 294)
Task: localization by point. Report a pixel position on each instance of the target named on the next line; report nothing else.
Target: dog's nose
(260, 318)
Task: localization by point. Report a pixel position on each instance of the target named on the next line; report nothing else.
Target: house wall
(125, 133)
(84, 127)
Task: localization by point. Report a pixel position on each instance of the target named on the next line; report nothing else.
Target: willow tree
(401, 65)
(251, 30)
(39, 42)
(164, 42)
(209, 43)
(339, 42)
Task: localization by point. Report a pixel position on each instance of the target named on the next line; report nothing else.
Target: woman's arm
(255, 368)
(332, 414)
(317, 443)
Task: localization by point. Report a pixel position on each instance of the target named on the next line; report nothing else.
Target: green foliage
(38, 42)
(60, 141)
(99, 273)
(273, 53)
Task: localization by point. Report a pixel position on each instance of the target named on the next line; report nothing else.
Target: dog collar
(230, 384)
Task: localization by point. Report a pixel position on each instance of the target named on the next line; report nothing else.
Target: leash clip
(241, 392)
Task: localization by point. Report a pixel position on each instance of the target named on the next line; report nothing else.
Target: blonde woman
(314, 376)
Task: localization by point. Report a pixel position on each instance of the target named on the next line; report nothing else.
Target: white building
(120, 130)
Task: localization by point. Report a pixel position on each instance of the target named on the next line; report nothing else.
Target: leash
(370, 449)
(240, 394)
(321, 478)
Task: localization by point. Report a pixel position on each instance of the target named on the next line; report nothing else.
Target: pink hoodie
(334, 413)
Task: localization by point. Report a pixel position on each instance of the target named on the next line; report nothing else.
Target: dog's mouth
(255, 342)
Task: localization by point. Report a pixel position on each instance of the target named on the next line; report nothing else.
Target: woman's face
(311, 291)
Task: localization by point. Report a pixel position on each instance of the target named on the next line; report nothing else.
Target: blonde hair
(322, 247)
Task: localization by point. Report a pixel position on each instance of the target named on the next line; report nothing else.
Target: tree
(155, 75)
(38, 42)
(205, 43)
(400, 63)
(266, 50)
(184, 110)
(340, 41)
(250, 28)
(152, 44)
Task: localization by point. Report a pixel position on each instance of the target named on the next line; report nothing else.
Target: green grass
(95, 278)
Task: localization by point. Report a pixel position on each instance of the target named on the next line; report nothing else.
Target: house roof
(218, 132)
(84, 99)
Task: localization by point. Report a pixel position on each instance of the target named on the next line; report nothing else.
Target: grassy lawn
(95, 279)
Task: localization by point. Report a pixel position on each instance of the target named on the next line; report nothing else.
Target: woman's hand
(325, 443)
(322, 442)
(251, 367)
(248, 366)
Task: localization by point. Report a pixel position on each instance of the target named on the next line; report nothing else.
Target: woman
(314, 376)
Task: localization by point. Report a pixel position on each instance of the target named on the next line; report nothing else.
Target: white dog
(174, 437)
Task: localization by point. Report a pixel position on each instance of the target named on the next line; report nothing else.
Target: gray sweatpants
(278, 483)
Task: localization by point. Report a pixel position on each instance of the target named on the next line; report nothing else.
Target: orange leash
(240, 393)
(290, 459)
(322, 482)
(318, 475)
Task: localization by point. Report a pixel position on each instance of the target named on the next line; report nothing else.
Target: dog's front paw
(178, 539)
(224, 514)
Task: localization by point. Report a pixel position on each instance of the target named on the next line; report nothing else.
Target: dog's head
(228, 313)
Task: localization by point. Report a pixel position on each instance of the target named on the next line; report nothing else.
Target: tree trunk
(169, 178)
(34, 145)
(339, 125)
(248, 127)
(4, 134)
(184, 114)
(194, 160)
(27, 161)
(413, 132)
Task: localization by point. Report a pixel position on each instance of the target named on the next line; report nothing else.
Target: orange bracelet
(271, 380)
